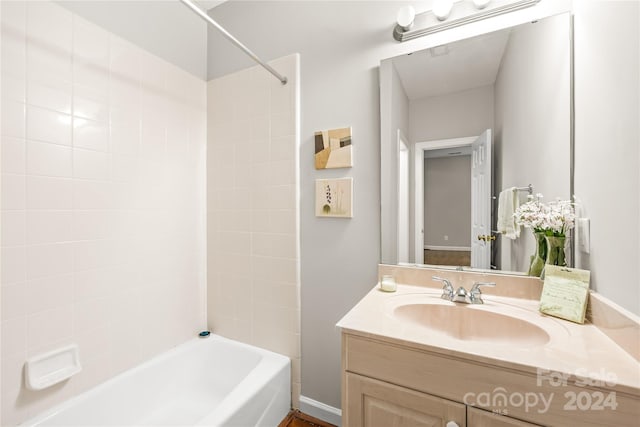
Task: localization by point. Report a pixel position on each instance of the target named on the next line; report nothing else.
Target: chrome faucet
(447, 288)
(474, 296)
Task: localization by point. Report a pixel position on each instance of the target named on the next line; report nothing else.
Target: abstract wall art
(334, 197)
(333, 149)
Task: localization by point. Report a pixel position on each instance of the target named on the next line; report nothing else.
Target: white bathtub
(204, 382)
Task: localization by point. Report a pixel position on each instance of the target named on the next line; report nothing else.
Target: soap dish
(50, 368)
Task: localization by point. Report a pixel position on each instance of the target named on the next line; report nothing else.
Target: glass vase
(555, 250)
(538, 259)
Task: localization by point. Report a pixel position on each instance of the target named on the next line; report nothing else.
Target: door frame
(418, 150)
(403, 205)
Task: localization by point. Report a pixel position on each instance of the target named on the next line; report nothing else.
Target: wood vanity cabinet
(374, 403)
(390, 384)
(480, 418)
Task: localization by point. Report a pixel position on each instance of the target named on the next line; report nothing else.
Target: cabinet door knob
(452, 424)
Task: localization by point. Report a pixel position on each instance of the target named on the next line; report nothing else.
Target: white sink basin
(492, 322)
(468, 323)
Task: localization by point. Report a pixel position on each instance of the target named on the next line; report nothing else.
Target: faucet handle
(446, 283)
(475, 295)
(447, 288)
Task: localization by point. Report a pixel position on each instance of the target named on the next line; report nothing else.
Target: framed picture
(334, 198)
(333, 149)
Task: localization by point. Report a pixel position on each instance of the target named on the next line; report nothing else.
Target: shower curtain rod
(233, 40)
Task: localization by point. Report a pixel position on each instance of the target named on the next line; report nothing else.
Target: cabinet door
(373, 403)
(481, 418)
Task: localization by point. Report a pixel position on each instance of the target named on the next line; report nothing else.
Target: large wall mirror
(462, 122)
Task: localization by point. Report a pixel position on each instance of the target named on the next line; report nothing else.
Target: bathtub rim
(269, 366)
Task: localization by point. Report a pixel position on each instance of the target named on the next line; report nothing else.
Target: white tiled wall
(253, 228)
(103, 230)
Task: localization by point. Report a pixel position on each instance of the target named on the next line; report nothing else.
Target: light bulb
(480, 4)
(442, 9)
(405, 17)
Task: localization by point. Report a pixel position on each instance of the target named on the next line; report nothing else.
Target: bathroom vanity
(411, 358)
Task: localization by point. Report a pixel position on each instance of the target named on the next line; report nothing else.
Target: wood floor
(457, 258)
(299, 419)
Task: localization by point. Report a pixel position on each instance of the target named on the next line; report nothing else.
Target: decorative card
(565, 292)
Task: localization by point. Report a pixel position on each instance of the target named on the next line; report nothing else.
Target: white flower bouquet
(554, 218)
(559, 217)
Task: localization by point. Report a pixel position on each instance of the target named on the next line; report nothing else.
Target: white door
(403, 199)
(481, 201)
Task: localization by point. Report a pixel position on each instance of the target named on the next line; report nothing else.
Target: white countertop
(579, 351)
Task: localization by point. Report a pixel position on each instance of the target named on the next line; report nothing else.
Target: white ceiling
(152, 25)
(446, 69)
(209, 4)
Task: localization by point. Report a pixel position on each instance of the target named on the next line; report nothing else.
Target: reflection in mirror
(512, 88)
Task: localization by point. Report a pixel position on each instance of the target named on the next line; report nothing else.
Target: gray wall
(167, 29)
(447, 201)
(531, 143)
(454, 115)
(607, 178)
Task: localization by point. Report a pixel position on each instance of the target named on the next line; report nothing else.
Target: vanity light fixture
(405, 17)
(442, 9)
(480, 4)
(447, 14)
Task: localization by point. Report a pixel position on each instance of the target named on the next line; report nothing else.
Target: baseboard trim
(321, 411)
(448, 248)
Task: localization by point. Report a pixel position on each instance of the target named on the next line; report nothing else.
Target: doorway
(479, 215)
